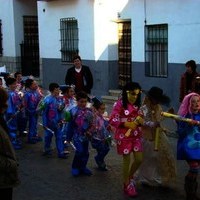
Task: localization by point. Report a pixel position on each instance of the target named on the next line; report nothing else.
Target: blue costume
(188, 147)
(31, 100)
(101, 139)
(52, 119)
(79, 129)
(14, 105)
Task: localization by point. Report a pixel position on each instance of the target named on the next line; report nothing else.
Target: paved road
(50, 179)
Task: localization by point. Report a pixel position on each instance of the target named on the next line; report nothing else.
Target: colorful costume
(31, 100)
(100, 140)
(132, 143)
(52, 119)
(158, 167)
(79, 129)
(14, 106)
(188, 146)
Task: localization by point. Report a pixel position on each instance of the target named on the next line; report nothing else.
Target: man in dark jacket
(80, 76)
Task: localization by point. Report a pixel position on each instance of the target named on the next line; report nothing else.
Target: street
(45, 178)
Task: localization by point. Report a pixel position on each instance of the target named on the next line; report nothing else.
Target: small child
(101, 137)
(52, 119)
(79, 129)
(188, 146)
(14, 107)
(70, 102)
(31, 100)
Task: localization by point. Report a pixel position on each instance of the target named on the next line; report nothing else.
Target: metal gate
(30, 47)
(124, 52)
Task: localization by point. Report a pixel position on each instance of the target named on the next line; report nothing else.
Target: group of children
(140, 138)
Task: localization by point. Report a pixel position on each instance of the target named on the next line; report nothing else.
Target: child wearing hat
(158, 167)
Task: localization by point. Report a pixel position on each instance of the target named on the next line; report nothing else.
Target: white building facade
(121, 40)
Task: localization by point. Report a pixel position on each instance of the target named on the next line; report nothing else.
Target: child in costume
(70, 102)
(31, 100)
(52, 119)
(188, 146)
(14, 107)
(127, 119)
(159, 166)
(79, 130)
(101, 137)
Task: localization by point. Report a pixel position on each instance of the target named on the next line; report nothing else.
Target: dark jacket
(195, 86)
(8, 162)
(87, 76)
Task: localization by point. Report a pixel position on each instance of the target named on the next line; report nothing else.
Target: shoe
(16, 145)
(101, 165)
(47, 153)
(86, 171)
(66, 152)
(63, 156)
(75, 172)
(130, 190)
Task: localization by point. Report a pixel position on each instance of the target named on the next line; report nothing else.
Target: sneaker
(130, 190)
(86, 171)
(75, 172)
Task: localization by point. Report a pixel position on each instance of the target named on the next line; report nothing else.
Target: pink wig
(185, 106)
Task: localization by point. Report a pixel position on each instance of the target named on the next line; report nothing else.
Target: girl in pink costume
(126, 117)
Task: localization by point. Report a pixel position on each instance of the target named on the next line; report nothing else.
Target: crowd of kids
(135, 125)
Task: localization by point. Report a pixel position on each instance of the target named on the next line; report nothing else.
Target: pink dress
(119, 115)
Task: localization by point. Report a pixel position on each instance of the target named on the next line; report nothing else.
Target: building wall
(11, 14)
(98, 39)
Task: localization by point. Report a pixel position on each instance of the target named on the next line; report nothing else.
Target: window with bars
(69, 38)
(156, 50)
(1, 38)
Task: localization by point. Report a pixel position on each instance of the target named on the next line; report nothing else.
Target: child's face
(102, 109)
(56, 91)
(195, 104)
(132, 95)
(82, 103)
(19, 77)
(70, 93)
(34, 86)
(13, 86)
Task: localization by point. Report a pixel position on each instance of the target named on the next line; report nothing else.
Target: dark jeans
(6, 193)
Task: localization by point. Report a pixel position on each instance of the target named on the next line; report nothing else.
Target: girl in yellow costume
(159, 166)
(127, 118)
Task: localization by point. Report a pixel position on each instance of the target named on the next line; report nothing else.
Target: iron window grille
(1, 38)
(69, 38)
(156, 50)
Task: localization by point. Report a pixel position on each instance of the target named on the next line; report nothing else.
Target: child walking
(188, 146)
(31, 100)
(79, 130)
(52, 119)
(14, 107)
(159, 165)
(127, 118)
(101, 137)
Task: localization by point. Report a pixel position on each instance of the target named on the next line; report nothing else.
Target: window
(156, 50)
(1, 38)
(69, 38)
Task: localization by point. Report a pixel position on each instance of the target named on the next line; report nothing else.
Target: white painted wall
(6, 16)
(11, 14)
(97, 31)
(22, 8)
(183, 19)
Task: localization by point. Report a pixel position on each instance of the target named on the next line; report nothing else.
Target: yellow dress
(158, 167)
